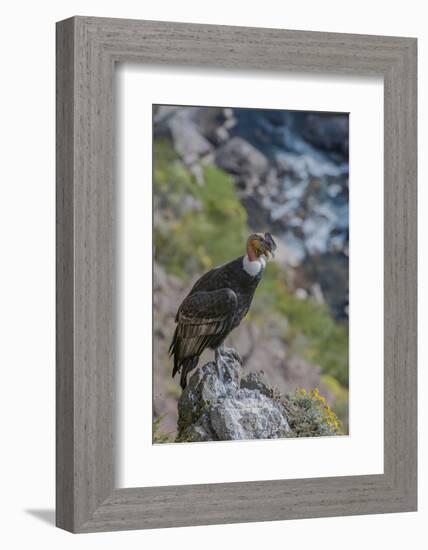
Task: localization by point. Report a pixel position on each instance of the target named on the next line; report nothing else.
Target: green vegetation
(312, 331)
(309, 414)
(158, 435)
(341, 399)
(195, 239)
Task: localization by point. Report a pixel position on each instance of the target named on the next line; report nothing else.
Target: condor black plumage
(216, 305)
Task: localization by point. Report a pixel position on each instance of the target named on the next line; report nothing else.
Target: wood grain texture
(87, 50)
(64, 276)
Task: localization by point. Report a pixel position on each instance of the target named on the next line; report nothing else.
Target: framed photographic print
(220, 174)
(236, 274)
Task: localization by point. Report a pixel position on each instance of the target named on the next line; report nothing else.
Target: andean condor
(217, 303)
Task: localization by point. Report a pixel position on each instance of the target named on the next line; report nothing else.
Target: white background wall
(27, 271)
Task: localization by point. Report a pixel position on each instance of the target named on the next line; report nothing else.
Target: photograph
(211, 309)
(250, 273)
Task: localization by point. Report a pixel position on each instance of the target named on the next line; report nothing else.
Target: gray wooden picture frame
(87, 50)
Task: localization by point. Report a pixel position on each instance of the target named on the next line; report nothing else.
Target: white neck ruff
(253, 267)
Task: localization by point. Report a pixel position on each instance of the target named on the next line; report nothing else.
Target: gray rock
(193, 130)
(221, 403)
(327, 132)
(256, 381)
(240, 158)
(189, 143)
(249, 415)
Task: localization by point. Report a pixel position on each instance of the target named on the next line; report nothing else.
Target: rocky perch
(222, 403)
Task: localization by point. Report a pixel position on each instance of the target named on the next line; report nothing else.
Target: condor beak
(269, 245)
(266, 248)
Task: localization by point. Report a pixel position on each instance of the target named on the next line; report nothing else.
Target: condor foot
(223, 354)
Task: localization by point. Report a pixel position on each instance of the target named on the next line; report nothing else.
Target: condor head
(258, 245)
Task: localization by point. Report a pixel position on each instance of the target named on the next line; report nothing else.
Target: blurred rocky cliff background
(219, 173)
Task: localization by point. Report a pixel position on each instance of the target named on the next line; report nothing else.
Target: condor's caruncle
(217, 303)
